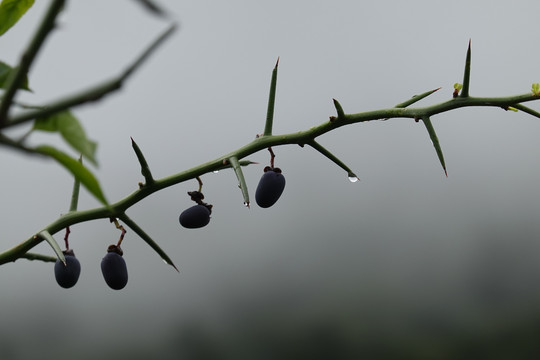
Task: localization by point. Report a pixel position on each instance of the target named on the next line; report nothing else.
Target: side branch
(93, 94)
(28, 57)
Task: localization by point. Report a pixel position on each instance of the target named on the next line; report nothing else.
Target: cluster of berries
(113, 267)
(268, 191)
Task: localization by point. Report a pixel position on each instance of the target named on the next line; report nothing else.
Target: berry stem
(66, 237)
(272, 157)
(121, 228)
(200, 183)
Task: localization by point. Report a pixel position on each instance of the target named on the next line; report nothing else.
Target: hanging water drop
(215, 171)
(246, 204)
(353, 178)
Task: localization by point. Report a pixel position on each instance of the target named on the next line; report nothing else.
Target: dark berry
(113, 267)
(67, 275)
(196, 216)
(270, 187)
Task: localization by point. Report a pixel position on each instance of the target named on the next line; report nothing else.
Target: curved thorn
(50, 240)
(145, 169)
(339, 110)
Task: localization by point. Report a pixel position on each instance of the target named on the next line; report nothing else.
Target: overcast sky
(403, 247)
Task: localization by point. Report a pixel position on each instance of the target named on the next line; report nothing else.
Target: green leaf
(536, 89)
(11, 11)
(48, 237)
(435, 141)
(5, 71)
(76, 168)
(71, 130)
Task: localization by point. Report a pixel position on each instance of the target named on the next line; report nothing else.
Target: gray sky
(402, 248)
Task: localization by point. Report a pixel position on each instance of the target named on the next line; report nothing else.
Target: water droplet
(353, 179)
(246, 204)
(215, 171)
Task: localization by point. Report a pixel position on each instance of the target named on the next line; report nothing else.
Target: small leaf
(536, 88)
(48, 237)
(76, 168)
(5, 72)
(11, 11)
(527, 110)
(435, 141)
(71, 130)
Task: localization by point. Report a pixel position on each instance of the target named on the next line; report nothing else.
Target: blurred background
(404, 264)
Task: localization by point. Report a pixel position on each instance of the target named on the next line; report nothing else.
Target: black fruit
(196, 216)
(270, 187)
(114, 269)
(67, 275)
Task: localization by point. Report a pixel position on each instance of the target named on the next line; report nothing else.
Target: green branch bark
(232, 159)
(260, 143)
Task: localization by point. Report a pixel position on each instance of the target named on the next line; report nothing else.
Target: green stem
(261, 143)
(75, 193)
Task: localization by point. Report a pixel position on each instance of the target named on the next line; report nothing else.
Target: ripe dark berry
(114, 269)
(270, 187)
(196, 216)
(67, 275)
